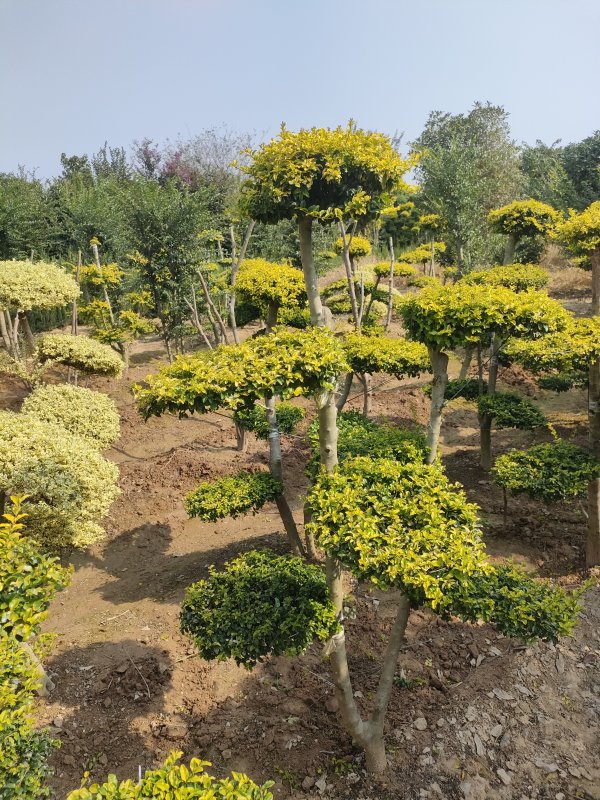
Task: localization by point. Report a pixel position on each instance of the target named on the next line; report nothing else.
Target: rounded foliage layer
(446, 317)
(29, 579)
(518, 277)
(323, 174)
(581, 231)
(572, 349)
(284, 363)
(25, 286)
(548, 472)
(232, 495)
(397, 357)
(510, 411)
(81, 353)
(524, 218)
(175, 781)
(255, 419)
(264, 282)
(83, 412)
(401, 270)
(260, 604)
(422, 253)
(359, 246)
(69, 484)
(467, 388)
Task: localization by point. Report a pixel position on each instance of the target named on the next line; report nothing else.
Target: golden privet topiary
(25, 285)
(81, 353)
(83, 412)
(70, 486)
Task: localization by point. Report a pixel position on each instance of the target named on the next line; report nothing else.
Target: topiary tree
(284, 364)
(549, 472)
(69, 484)
(400, 526)
(518, 277)
(25, 286)
(575, 351)
(367, 355)
(447, 317)
(83, 412)
(175, 781)
(270, 286)
(522, 218)
(255, 419)
(358, 247)
(424, 254)
(233, 495)
(79, 353)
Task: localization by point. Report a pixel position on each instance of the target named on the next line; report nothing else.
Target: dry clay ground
(474, 715)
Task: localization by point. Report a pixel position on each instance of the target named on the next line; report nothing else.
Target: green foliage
(260, 604)
(510, 411)
(562, 381)
(175, 781)
(81, 353)
(232, 495)
(570, 350)
(468, 389)
(359, 247)
(406, 526)
(360, 436)
(322, 173)
(421, 281)
(255, 419)
(446, 317)
(264, 283)
(397, 357)
(69, 484)
(523, 218)
(285, 364)
(548, 472)
(25, 286)
(518, 604)
(422, 253)
(401, 270)
(83, 412)
(581, 231)
(518, 277)
(24, 751)
(28, 578)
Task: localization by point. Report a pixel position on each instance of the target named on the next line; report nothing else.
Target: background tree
(522, 218)
(468, 165)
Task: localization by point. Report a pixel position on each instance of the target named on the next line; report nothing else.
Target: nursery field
(472, 714)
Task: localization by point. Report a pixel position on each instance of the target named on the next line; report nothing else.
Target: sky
(77, 73)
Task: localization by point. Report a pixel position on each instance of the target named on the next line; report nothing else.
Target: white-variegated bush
(25, 285)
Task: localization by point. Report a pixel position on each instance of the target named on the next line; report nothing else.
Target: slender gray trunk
(235, 265)
(509, 248)
(214, 316)
(466, 363)
(310, 273)
(592, 550)
(345, 391)
(367, 383)
(349, 267)
(388, 319)
(74, 319)
(276, 468)
(485, 441)
(439, 365)
(241, 437)
(28, 333)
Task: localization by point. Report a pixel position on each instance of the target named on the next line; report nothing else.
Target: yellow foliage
(25, 285)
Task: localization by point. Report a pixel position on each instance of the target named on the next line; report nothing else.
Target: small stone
(69, 761)
(420, 724)
(103, 759)
(559, 796)
(560, 664)
(308, 783)
(523, 689)
(496, 731)
(58, 722)
(441, 722)
(502, 695)
(471, 713)
(545, 766)
(107, 702)
(574, 771)
(479, 748)
(226, 754)
(321, 784)
(122, 668)
(176, 730)
(504, 776)
(494, 651)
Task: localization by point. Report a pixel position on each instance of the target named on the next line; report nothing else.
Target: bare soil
(502, 720)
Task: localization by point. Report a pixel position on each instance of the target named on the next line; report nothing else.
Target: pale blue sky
(74, 73)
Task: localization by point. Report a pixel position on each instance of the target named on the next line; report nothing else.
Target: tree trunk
(275, 465)
(439, 365)
(349, 267)
(592, 549)
(241, 438)
(493, 371)
(345, 391)
(509, 249)
(466, 363)
(595, 259)
(220, 325)
(74, 319)
(309, 539)
(29, 337)
(367, 383)
(4, 332)
(235, 265)
(388, 319)
(310, 273)
(485, 439)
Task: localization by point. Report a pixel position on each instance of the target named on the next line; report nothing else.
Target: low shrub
(255, 419)
(232, 495)
(511, 411)
(81, 353)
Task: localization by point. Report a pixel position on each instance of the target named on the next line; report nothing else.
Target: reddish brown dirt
(130, 689)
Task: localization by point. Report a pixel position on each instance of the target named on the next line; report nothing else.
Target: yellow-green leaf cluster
(570, 350)
(323, 174)
(524, 218)
(285, 363)
(83, 412)
(25, 285)
(518, 277)
(69, 484)
(81, 353)
(581, 231)
(265, 283)
(359, 247)
(422, 253)
(175, 781)
(398, 357)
